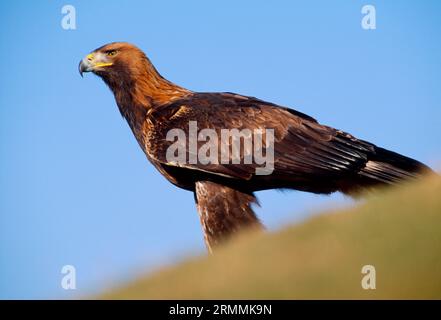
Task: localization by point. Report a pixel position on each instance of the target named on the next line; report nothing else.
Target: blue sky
(76, 189)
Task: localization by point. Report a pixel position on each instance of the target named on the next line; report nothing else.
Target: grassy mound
(398, 231)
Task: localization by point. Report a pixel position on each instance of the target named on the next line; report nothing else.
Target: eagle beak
(92, 62)
(85, 64)
(82, 67)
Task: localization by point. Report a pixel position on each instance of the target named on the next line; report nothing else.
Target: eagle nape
(307, 155)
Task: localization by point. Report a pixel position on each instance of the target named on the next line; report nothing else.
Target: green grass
(398, 231)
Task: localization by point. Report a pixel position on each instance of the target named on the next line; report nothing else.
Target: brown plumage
(308, 156)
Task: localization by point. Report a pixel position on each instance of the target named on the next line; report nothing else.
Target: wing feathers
(307, 155)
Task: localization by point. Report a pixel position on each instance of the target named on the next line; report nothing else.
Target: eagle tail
(386, 167)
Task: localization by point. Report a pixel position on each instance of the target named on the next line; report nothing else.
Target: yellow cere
(103, 64)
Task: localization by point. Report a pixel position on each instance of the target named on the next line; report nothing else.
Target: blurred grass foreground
(397, 231)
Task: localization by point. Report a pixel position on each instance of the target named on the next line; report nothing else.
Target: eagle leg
(223, 211)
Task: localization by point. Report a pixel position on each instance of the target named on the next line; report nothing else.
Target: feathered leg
(223, 211)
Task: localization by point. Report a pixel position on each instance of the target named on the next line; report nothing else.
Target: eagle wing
(304, 150)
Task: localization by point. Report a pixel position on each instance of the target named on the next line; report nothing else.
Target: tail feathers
(387, 167)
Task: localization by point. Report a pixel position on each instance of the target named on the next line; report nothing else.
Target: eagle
(306, 155)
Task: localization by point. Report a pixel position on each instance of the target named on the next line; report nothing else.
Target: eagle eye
(110, 53)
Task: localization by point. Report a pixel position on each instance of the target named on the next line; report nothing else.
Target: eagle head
(111, 58)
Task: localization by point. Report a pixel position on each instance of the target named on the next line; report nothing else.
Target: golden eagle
(307, 156)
